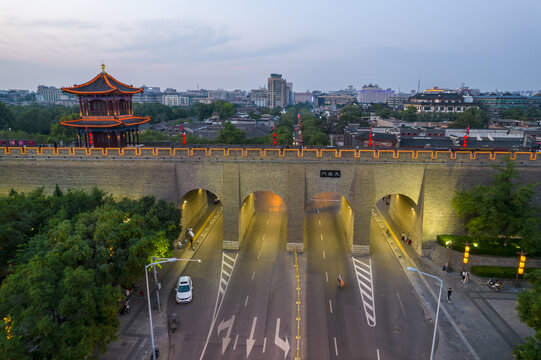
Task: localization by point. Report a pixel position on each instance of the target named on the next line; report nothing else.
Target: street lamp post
(438, 309)
(148, 296)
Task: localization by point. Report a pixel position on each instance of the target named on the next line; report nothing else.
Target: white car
(184, 290)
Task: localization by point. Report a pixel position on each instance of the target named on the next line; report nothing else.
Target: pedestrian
(449, 291)
(463, 276)
(191, 235)
(467, 276)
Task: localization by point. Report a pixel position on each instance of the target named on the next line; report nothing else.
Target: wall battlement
(353, 155)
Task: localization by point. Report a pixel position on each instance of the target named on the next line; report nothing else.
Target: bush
(502, 272)
(493, 247)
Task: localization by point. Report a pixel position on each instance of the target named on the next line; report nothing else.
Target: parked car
(184, 290)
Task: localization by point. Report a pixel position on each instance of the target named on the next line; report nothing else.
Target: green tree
(410, 114)
(503, 209)
(230, 134)
(474, 118)
(529, 311)
(59, 132)
(224, 109)
(6, 117)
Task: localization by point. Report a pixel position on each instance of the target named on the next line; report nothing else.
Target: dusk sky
(316, 45)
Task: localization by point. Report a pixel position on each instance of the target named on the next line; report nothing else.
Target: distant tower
(106, 112)
(419, 86)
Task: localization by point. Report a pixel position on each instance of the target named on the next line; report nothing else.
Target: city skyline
(486, 45)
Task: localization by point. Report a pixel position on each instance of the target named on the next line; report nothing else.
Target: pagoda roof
(103, 83)
(106, 122)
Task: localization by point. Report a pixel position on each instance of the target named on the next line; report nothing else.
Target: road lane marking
(235, 344)
(378, 353)
(330, 305)
(267, 221)
(321, 236)
(400, 301)
(282, 344)
(264, 344)
(335, 347)
(258, 254)
(363, 272)
(230, 262)
(263, 236)
(253, 274)
(246, 302)
(226, 325)
(323, 254)
(319, 221)
(326, 277)
(251, 341)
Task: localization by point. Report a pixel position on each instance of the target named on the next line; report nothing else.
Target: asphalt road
(383, 321)
(243, 301)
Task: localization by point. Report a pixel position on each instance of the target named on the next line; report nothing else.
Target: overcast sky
(236, 44)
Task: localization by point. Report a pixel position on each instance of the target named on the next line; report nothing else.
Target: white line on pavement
(319, 221)
(326, 277)
(246, 302)
(267, 221)
(323, 254)
(253, 274)
(321, 236)
(378, 353)
(402, 306)
(259, 253)
(235, 344)
(335, 347)
(264, 344)
(263, 236)
(330, 305)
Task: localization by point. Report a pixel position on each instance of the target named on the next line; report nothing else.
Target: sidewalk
(133, 340)
(478, 323)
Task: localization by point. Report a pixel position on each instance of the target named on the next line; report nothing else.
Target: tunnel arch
(404, 216)
(257, 202)
(195, 205)
(340, 205)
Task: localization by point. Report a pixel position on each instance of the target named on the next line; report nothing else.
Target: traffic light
(466, 253)
(521, 264)
(370, 140)
(90, 139)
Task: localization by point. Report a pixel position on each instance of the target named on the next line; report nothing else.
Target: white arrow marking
(251, 341)
(227, 339)
(284, 345)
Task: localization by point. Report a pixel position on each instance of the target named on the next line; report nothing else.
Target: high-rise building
(278, 91)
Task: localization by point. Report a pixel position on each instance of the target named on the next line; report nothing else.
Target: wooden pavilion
(106, 111)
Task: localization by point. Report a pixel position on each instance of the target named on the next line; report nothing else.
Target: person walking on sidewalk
(449, 291)
(191, 235)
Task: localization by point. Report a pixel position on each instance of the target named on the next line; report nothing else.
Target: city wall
(429, 178)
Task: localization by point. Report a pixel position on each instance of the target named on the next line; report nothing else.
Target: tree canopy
(529, 311)
(74, 251)
(503, 209)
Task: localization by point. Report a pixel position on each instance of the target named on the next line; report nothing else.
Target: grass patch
(500, 272)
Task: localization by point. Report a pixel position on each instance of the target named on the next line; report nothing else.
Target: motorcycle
(174, 321)
(495, 284)
(125, 309)
(340, 281)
